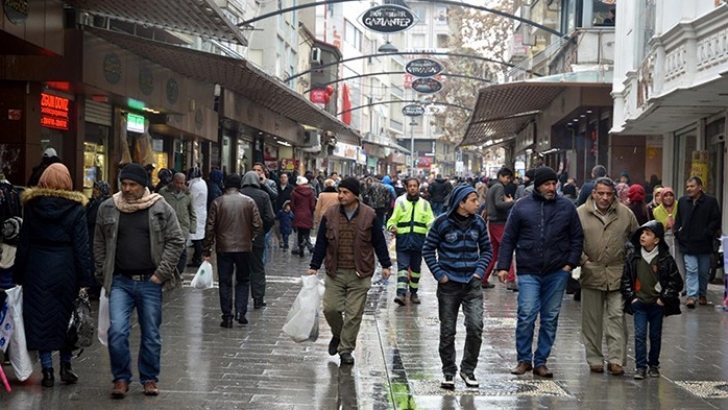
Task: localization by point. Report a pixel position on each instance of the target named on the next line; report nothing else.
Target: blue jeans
(437, 208)
(538, 295)
(239, 262)
(265, 249)
(450, 296)
(697, 271)
(409, 269)
(146, 296)
(46, 357)
(644, 314)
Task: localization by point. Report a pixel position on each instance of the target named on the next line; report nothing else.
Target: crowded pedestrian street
(256, 366)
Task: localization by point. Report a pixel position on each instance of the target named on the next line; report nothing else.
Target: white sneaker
(469, 379)
(448, 383)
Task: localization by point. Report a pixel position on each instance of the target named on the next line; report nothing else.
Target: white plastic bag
(6, 327)
(302, 321)
(576, 273)
(104, 318)
(19, 356)
(203, 277)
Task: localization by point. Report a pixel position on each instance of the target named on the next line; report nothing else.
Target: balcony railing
(587, 47)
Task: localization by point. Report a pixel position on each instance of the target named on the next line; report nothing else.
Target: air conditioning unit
(311, 138)
(316, 56)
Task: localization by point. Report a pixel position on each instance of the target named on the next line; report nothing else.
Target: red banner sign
(54, 111)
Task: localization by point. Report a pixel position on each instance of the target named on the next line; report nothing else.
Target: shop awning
(504, 109)
(194, 17)
(236, 75)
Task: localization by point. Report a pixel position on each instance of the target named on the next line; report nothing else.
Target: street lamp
(387, 48)
(412, 124)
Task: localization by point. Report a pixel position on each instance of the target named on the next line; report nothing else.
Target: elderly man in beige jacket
(608, 225)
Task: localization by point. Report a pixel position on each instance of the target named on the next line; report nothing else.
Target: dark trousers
(257, 273)
(647, 315)
(239, 262)
(182, 259)
(450, 296)
(284, 241)
(304, 239)
(197, 256)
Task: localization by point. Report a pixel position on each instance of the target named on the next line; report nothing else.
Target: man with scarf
(411, 218)
(137, 245)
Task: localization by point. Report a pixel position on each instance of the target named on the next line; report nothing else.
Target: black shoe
(577, 296)
(48, 377)
(227, 323)
(448, 382)
(67, 374)
(259, 304)
(347, 359)
(640, 373)
(487, 285)
(654, 371)
(334, 346)
(243, 320)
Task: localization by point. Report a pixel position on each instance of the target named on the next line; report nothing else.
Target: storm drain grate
(492, 389)
(706, 390)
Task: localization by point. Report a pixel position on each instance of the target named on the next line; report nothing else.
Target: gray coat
(166, 239)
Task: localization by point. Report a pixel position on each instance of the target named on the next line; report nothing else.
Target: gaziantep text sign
(388, 18)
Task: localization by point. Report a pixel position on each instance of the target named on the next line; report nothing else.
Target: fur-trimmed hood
(53, 204)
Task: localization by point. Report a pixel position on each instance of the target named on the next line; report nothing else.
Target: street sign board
(413, 110)
(423, 67)
(426, 85)
(388, 18)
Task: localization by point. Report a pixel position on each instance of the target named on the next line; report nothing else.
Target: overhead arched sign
(413, 110)
(388, 18)
(423, 67)
(426, 85)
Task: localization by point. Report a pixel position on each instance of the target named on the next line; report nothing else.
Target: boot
(48, 378)
(67, 374)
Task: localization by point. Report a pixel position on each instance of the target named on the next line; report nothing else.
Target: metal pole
(412, 148)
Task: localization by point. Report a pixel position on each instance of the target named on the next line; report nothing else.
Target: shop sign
(426, 85)
(16, 10)
(318, 96)
(347, 151)
(271, 165)
(135, 123)
(54, 111)
(361, 156)
(288, 165)
(157, 145)
(423, 67)
(146, 81)
(388, 18)
(15, 115)
(413, 110)
(112, 68)
(424, 162)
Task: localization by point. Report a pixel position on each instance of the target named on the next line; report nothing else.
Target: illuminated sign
(135, 123)
(54, 111)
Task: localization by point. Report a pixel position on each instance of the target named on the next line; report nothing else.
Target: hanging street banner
(388, 18)
(426, 85)
(423, 67)
(413, 110)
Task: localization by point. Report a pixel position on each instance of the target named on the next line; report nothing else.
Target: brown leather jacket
(232, 223)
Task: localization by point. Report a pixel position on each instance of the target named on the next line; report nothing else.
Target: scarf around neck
(146, 201)
(651, 255)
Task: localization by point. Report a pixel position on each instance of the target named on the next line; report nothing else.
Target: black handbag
(80, 333)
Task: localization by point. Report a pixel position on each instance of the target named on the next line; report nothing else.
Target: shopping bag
(302, 320)
(80, 331)
(104, 319)
(19, 357)
(203, 277)
(6, 327)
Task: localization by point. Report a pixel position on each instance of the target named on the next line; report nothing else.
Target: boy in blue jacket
(457, 252)
(285, 219)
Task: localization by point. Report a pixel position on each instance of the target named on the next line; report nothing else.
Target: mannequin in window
(611, 18)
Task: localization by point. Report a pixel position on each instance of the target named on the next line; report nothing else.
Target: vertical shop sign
(54, 111)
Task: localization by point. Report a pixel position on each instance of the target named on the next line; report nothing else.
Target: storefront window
(686, 143)
(95, 156)
(715, 134)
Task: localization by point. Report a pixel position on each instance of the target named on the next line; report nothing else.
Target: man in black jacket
(253, 189)
(696, 226)
(439, 189)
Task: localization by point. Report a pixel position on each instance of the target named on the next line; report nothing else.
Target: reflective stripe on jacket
(412, 220)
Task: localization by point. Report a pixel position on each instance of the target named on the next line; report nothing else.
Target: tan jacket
(325, 201)
(602, 260)
(232, 223)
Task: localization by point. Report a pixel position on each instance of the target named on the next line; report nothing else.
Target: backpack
(379, 196)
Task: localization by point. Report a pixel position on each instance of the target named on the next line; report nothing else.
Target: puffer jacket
(165, 237)
(232, 223)
(602, 260)
(545, 234)
(668, 274)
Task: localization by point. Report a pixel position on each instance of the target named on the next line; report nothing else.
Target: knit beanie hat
(134, 172)
(352, 184)
(542, 175)
(233, 181)
(56, 176)
(636, 193)
(11, 228)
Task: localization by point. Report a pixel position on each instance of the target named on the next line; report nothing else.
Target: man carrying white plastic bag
(302, 321)
(203, 277)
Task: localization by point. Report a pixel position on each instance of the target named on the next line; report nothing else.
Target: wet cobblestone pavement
(397, 365)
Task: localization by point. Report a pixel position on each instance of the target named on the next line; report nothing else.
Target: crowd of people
(633, 253)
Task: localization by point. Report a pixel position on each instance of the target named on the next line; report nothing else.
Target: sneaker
(469, 379)
(346, 358)
(415, 299)
(334, 346)
(654, 371)
(448, 382)
(151, 389)
(400, 300)
(119, 390)
(640, 373)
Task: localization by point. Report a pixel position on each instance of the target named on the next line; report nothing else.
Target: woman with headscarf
(636, 195)
(656, 200)
(303, 205)
(621, 190)
(165, 178)
(53, 263)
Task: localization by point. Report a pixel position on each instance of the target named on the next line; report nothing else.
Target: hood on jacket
(304, 190)
(657, 228)
(387, 180)
(251, 178)
(216, 176)
(458, 195)
(53, 203)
